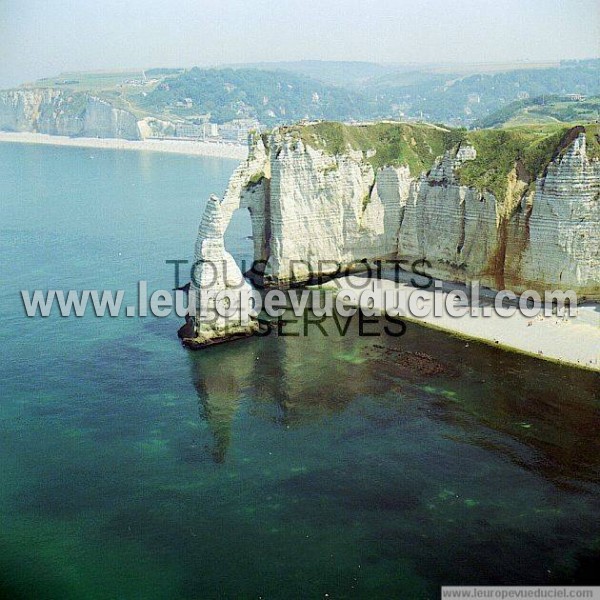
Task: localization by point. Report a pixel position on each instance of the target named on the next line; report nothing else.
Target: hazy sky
(43, 37)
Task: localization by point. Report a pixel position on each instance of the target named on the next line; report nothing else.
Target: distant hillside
(343, 73)
(462, 100)
(544, 109)
(272, 97)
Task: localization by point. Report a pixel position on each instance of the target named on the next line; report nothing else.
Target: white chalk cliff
(215, 270)
(58, 112)
(314, 211)
(218, 293)
(550, 241)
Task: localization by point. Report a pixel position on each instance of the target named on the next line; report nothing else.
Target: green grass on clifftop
(415, 145)
(592, 132)
(532, 148)
(529, 149)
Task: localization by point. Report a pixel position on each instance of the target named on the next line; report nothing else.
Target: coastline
(191, 148)
(572, 341)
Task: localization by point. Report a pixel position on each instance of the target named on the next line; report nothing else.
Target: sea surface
(286, 467)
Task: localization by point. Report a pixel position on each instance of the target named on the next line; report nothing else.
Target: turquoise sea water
(290, 467)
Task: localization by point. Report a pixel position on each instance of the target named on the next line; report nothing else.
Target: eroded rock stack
(219, 295)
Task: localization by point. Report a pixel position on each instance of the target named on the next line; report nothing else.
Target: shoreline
(188, 147)
(570, 341)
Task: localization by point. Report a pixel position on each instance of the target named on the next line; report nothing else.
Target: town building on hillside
(211, 130)
(189, 130)
(237, 130)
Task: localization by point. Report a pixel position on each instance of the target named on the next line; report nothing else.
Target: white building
(237, 131)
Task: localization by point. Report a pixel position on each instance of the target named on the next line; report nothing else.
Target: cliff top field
(417, 145)
(532, 147)
(100, 81)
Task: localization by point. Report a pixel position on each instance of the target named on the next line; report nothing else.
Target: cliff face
(59, 113)
(521, 212)
(215, 271)
(328, 210)
(527, 219)
(544, 236)
(562, 237)
(20, 110)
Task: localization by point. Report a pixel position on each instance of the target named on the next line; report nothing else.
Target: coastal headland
(515, 209)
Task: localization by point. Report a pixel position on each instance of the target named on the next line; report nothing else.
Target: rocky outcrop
(153, 127)
(58, 112)
(549, 239)
(556, 234)
(217, 284)
(314, 212)
(218, 292)
(215, 270)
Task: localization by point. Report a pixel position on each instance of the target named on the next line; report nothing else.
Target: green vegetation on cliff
(416, 145)
(528, 149)
(500, 151)
(592, 132)
(524, 151)
(75, 105)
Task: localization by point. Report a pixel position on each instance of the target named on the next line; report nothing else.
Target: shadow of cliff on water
(541, 416)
